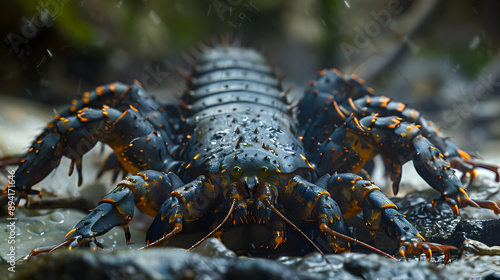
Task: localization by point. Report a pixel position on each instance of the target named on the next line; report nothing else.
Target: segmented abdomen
(227, 79)
(235, 99)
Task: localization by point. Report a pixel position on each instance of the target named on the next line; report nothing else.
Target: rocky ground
(20, 121)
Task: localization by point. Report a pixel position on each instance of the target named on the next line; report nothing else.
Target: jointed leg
(147, 191)
(133, 139)
(355, 142)
(186, 203)
(333, 97)
(312, 203)
(384, 106)
(120, 113)
(399, 142)
(355, 195)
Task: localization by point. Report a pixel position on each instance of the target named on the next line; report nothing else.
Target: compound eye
(264, 172)
(236, 172)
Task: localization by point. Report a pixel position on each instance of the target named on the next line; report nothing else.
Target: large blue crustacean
(234, 149)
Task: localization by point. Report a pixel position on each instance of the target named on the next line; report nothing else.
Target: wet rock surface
(179, 264)
(485, 231)
(434, 222)
(472, 248)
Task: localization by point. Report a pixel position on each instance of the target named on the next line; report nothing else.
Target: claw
(478, 203)
(428, 253)
(37, 251)
(325, 228)
(453, 205)
(402, 251)
(491, 167)
(467, 166)
(70, 232)
(465, 201)
(415, 247)
(127, 233)
(488, 204)
(73, 242)
(442, 248)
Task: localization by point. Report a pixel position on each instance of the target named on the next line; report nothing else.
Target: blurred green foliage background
(429, 53)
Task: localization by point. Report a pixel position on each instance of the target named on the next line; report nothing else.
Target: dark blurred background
(440, 56)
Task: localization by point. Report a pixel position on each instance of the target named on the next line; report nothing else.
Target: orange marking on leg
(108, 200)
(463, 154)
(374, 119)
(336, 106)
(115, 122)
(133, 108)
(418, 234)
(357, 124)
(395, 123)
(401, 107)
(355, 180)
(137, 83)
(383, 101)
(125, 92)
(322, 72)
(70, 232)
(99, 90)
(179, 195)
(316, 201)
(339, 74)
(414, 114)
(464, 192)
(351, 103)
(389, 205)
(310, 166)
(143, 176)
